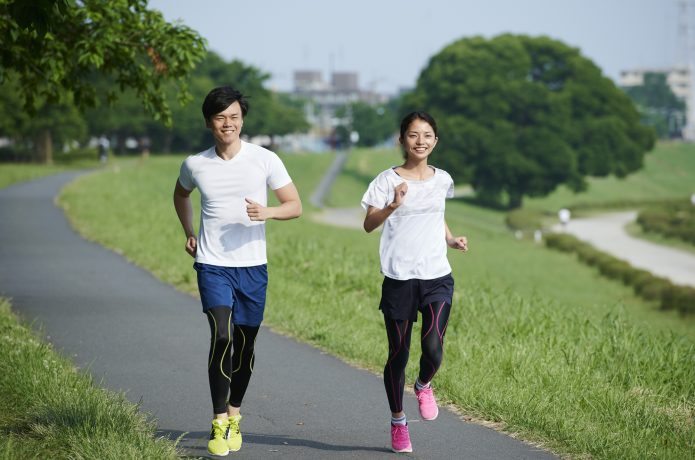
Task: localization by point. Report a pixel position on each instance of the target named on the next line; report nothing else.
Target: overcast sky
(388, 42)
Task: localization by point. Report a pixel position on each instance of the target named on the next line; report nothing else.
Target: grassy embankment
(49, 410)
(537, 342)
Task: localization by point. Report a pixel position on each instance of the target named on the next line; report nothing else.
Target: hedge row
(646, 285)
(676, 220)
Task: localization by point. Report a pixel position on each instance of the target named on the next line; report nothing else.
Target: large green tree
(521, 115)
(55, 47)
(374, 123)
(659, 106)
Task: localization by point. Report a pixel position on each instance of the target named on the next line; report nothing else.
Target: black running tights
(435, 317)
(230, 361)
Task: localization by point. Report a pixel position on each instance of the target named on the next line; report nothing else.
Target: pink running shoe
(400, 439)
(427, 403)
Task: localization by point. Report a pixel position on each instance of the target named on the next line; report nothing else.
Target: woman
(409, 201)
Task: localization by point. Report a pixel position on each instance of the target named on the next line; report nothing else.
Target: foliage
(34, 135)
(674, 219)
(373, 123)
(520, 115)
(658, 105)
(56, 47)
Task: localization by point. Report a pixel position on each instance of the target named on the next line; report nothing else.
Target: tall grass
(537, 341)
(48, 410)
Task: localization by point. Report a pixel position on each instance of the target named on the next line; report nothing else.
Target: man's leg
(219, 371)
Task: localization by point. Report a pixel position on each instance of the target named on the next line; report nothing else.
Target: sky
(389, 42)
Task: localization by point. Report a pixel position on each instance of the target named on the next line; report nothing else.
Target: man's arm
(184, 209)
(290, 206)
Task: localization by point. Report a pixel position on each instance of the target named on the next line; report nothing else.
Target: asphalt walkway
(606, 232)
(138, 335)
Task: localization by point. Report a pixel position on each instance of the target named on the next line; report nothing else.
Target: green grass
(669, 172)
(11, 173)
(634, 229)
(48, 410)
(360, 169)
(537, 341)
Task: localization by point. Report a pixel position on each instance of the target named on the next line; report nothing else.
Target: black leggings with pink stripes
(435, 317)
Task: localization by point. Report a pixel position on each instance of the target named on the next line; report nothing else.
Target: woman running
(409, 201)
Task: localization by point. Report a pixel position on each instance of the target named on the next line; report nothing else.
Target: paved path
(141, 336)
(319, 196)
(607, 233)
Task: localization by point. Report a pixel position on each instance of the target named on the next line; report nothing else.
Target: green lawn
(11, 173)
(48, 410)
(669, 172)
(537, 341)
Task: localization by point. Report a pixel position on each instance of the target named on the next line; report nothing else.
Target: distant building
(679, 79)
(323, 98)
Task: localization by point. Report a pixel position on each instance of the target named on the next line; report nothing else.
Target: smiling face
(226, 125)
(418, 140)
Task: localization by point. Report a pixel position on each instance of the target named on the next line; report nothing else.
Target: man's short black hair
(220, 98)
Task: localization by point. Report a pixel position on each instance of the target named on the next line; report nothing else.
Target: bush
(645, 284)
(674, 220)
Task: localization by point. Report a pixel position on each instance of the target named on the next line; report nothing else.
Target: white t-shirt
(413, 242)
(228, 237)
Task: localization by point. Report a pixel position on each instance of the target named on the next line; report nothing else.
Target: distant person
(103, 148)
(230, 251)
(564, 215)
(409, 200)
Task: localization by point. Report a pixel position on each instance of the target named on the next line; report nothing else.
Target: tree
(521, 115)
(373, 123)
(658, 105)
(35, 135)
(55, 47)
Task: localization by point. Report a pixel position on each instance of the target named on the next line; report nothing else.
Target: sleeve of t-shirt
(377, 194)
(278, 176)
(450, 190)
(186, 176)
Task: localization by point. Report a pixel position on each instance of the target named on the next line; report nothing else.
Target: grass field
(669, 172)
(11, 173)
(48, 410)
(537, 341)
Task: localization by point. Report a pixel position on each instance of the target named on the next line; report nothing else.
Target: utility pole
(686, 64)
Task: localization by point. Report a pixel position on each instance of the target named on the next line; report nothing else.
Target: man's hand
(191, 246)
(256, 211)
(459, 242)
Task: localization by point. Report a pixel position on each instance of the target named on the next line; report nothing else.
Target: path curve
(137, 334)
(606, 232)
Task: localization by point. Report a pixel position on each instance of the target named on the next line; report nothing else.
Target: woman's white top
(413, 241)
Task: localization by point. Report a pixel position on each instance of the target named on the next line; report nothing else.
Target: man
(230, 252)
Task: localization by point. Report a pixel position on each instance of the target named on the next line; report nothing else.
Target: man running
(230, 251)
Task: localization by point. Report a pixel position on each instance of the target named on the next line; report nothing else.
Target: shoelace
(400, 432)
(427, 396)
(217, 430)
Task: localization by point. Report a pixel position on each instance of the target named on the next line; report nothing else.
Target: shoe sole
(430, 419)
(402, 451)
(219, 455)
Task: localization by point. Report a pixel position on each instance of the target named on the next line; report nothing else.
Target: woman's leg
(435, 318)
(398, 333)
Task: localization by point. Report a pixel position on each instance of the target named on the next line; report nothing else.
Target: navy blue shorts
(402, 300)
(242, 289)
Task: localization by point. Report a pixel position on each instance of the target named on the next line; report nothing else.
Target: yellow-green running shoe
(217, 445)
(233, 433)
